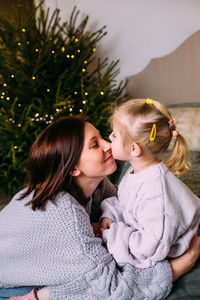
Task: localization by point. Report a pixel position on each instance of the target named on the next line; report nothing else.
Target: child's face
(118, 150)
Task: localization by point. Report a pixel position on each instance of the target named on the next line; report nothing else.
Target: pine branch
(48, 70)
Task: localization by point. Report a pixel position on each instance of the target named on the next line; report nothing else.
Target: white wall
(138, 30)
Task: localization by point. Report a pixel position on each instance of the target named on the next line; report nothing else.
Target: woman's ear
(136, 150)
(75, 172)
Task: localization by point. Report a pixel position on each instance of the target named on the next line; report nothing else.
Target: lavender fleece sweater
(57, 248)
(155, 216)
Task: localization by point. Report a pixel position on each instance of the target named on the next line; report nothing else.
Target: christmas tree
(46, 72)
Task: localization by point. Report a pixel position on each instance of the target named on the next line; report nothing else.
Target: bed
(175, 81)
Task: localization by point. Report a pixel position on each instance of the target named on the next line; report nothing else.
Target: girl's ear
(75, 172)
(136, 150)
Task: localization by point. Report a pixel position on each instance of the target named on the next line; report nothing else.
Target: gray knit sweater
(57, 248)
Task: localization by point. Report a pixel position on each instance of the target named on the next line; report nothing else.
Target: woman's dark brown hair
(52, 159)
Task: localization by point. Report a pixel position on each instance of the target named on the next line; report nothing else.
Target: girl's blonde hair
(135, 118)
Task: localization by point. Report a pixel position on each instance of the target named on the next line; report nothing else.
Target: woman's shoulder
(62, 202)
(65, 198)
(66, 203)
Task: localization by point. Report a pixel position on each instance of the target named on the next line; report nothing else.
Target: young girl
(155, 215)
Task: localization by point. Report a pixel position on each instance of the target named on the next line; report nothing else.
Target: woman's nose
(106, 146)
(110, 137)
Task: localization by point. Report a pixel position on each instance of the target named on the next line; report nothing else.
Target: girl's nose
(110, 137)
(106, 146)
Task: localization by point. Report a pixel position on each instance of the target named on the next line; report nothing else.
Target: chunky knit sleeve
(91, 272)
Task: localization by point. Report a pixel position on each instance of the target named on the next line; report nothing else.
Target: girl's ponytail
(178, 161)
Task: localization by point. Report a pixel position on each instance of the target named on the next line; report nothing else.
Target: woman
(46, 238)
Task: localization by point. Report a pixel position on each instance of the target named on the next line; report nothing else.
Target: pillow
(188, 123)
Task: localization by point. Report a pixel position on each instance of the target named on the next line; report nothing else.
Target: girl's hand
(96, 229)
(105, 224)
(186, 262)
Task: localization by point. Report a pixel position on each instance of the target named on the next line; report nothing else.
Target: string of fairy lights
(37, 117)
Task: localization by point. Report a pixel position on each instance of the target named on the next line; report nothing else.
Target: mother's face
(96, 158)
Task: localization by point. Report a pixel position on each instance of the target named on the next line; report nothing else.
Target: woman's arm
(186, 262)
(95, 274)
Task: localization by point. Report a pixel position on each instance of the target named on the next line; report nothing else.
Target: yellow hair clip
(149, 101)
(153, 133)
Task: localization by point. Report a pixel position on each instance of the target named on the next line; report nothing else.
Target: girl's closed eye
(113, 135)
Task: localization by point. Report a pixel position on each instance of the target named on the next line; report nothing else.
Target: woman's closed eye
(94, 145)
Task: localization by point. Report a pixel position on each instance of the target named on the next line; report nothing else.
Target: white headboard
(171, 79)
